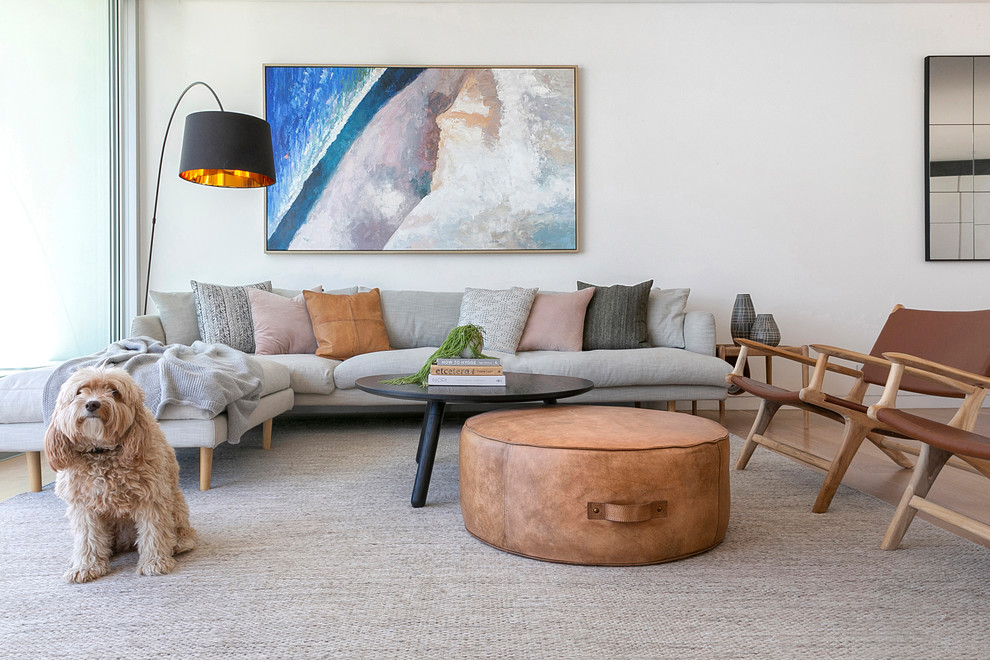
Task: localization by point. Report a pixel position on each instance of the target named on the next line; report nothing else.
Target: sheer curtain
(55, 215)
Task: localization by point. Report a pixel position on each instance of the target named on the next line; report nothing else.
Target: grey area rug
(312, 550)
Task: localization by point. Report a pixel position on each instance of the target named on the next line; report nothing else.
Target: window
(55, 181)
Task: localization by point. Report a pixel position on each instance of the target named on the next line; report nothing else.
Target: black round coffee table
(518, 388)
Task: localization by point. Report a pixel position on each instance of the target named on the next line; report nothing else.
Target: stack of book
(466, 371)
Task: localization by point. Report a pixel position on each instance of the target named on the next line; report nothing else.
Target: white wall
(774, 149)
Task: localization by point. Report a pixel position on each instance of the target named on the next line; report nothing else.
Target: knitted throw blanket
(210, 377)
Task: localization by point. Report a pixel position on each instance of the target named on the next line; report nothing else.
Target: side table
(726, 351)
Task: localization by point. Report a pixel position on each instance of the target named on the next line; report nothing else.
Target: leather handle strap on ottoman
(626, 513)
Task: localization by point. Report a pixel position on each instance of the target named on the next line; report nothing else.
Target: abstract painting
(422, 159)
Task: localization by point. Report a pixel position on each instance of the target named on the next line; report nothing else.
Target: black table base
(429, 438)
(519, 388)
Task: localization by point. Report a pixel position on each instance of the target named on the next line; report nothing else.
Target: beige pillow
(501, 313)
(346, 326)
(281, 325)
(556, 321)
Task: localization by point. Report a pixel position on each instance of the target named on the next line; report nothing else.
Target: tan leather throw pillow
(346, 326)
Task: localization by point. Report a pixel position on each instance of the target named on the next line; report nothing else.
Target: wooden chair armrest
(852, 356)
(814, 392)
(972, 385)
(831, 351)
(776, 352)
(926, 368)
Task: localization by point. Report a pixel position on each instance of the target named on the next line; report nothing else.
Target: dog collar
(101, 450)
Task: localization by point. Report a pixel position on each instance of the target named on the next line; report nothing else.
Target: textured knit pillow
(224, 314)
(346, 326)
(502, 313)
(556, 321)
(616, 316)
(281, 324)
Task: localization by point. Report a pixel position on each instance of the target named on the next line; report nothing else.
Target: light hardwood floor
(871, 472)
(14, 476)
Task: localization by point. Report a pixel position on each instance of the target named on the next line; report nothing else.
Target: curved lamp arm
(158, 184)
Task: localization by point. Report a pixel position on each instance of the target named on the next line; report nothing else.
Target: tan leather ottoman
(595, 485)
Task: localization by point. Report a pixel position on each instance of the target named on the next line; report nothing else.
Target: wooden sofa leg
(266, 434)
(34, 470)
(205, 467)
(671, 406)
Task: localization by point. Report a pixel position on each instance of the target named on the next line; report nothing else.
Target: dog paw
(82, 574)
(156, 566)
(184, 545)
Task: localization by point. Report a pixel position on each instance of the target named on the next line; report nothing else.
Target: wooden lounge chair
(939, 442)
(957, 339)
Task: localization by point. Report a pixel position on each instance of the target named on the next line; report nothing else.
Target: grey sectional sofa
(680, 366)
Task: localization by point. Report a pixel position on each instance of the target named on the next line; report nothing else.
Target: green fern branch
(462, 338)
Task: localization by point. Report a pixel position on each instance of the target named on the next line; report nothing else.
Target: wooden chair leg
(266, 434)
(975, 465)
(34, 470)
(671, 406)
(894, 454)
(205, 467)
(763, 418)
(929, 465)
(852, 438)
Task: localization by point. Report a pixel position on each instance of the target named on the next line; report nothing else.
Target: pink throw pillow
(556, 321)
(281, 325)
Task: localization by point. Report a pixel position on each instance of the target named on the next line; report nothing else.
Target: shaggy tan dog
(117, 474)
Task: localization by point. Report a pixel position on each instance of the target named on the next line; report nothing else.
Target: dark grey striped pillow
(224, 314)
(616, 316)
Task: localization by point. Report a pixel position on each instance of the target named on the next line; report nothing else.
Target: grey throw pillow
(616, 316)
(665, 317)
(502, 313)
(224, 314)
(292, 293)
(419, 318)
(178, 315)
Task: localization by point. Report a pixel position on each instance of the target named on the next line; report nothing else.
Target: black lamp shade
(227, 149)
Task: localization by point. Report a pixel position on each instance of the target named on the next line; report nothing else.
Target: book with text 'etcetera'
(441, 370)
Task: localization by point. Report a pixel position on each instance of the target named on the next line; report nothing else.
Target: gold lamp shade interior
(228, 178)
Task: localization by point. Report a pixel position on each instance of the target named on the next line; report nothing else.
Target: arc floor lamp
(219, 148)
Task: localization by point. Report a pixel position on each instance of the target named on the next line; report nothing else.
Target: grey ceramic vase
(765, 330)
(743, 316)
